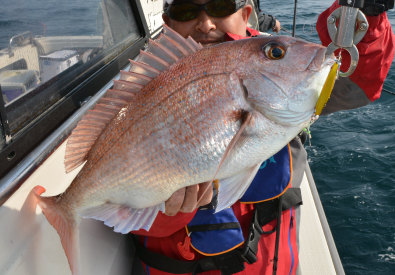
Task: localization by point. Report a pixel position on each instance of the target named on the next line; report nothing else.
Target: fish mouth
(328, 61)
(288, 117)
(321, 60)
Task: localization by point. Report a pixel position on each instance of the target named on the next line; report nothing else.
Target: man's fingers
(186, 199)
(278, 26)
(173, 205)
(190, 200)
(205, 198)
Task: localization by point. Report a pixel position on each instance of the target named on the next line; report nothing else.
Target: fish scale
(217, 113)
(154, 92)
(109, 177)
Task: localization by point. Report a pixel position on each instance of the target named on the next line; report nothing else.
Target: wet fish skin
(165, 106)
(174, 132)
(179, 107)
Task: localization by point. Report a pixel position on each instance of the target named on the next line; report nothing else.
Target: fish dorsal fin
(127, 86)
(167, 49)
(178, 39)
(144, 69)
(173, 46)
(135, 78)
(161, 51)
(153, 61)
(196, 45)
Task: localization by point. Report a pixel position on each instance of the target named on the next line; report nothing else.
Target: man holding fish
(207, 28)
(185, 118)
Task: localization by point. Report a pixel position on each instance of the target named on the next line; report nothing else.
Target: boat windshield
(48, 48)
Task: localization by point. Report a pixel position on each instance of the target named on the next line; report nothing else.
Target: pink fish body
(171, 122)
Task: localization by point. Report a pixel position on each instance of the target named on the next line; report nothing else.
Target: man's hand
(186, 199)
(277, 27)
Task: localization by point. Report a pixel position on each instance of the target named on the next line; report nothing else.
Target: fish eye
(273, 50)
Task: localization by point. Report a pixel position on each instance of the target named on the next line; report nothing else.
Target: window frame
(30, 137)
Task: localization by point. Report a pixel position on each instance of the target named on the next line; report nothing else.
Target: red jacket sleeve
(376, 52)
(164, 225)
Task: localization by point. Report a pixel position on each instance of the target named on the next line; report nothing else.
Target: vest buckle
(251, 244)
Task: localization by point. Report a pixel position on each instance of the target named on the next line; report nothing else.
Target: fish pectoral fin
(233, 188)
(237, 141)
(123, 218)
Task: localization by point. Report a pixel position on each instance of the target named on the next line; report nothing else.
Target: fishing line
(391, 93)
(388, 85)
(300, 37)
(390, 88)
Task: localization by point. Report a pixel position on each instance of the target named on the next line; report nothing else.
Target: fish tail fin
(65, 225)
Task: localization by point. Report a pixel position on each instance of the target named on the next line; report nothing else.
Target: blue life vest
(271, 181)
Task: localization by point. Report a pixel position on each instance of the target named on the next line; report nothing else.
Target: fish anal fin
(122, 217)
(65, 225)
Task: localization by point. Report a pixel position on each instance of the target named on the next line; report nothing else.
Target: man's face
(210, 30)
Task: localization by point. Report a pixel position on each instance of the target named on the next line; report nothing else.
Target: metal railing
(22, 35)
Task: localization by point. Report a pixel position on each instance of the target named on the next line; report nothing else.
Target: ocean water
(352, 158)
(47, 18)
(352, 153)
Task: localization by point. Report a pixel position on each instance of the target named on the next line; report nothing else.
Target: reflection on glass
(45, 46)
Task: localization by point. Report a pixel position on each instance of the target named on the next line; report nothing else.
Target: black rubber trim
(212, 227)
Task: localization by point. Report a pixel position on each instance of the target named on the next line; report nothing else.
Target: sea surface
(352, 153)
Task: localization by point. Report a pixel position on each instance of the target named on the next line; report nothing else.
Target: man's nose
(205, 23)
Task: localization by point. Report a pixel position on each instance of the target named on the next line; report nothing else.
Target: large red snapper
(216, 112)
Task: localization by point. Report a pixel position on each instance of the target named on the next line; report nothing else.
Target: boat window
(51, 50)
(46, 45)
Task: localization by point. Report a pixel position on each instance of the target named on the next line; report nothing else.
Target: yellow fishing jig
(327, 89)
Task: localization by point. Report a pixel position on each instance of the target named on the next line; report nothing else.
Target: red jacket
(376, 52)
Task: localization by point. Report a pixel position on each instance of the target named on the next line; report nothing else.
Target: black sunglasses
(216, 8)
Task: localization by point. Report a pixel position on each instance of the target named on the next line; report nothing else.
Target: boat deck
(318, 253)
